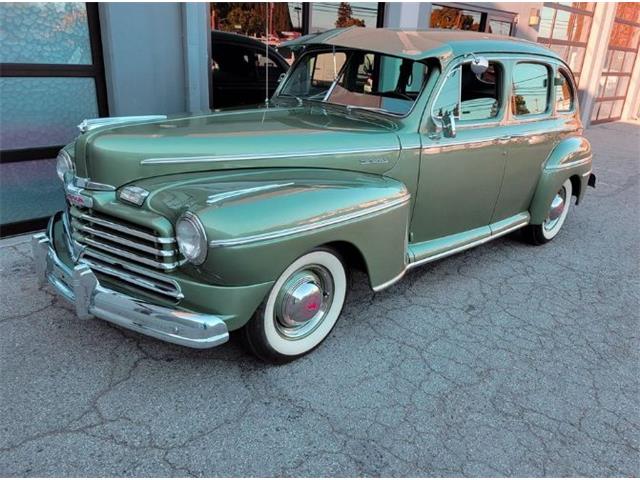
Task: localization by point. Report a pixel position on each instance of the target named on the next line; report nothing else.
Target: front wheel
(301, 309)
(539, 234)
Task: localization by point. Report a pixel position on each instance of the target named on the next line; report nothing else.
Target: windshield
(359, 79)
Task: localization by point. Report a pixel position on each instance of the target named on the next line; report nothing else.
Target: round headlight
(63, 164)
(192, 239)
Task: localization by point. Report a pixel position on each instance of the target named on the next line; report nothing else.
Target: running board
(432, 250)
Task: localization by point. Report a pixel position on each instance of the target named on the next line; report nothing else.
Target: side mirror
(448, 125)
(479, 65)
(281, 77)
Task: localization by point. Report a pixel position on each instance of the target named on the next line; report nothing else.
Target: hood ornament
(90, 123)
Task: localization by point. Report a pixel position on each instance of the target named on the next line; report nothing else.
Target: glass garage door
(51, 78)
(621, 57)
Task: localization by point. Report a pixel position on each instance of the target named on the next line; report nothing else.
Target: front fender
(571, 158)
(258, 222)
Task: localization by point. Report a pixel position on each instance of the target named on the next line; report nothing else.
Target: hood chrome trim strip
(388, 205)
(219, 197)
(262, 156)
(89, 124)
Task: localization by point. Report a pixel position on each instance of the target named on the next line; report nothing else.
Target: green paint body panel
(392, 189)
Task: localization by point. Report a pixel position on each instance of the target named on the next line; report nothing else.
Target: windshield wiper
(288, 95)
(372, 109)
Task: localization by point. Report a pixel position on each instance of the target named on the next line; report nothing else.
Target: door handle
(504, 138)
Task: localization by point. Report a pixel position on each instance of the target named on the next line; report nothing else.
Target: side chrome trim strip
(575, 163)
(263, 156)
(398, 202)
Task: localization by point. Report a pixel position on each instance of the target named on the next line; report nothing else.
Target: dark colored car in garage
(238, 70)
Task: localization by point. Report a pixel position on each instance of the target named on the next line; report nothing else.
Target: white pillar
(196, 40)
(407, 15)
(594, 57)
(632, 103)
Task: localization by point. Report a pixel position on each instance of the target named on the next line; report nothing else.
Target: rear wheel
(301, 309)
(558, 210)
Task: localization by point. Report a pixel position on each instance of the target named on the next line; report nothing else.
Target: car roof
(420, 44)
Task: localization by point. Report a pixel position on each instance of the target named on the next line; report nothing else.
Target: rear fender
(570, 159)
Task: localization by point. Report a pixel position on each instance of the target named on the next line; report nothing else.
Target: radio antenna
(266, 60)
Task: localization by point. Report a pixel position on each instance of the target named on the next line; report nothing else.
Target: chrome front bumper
(80, 286)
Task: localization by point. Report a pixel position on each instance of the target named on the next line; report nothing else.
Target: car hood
(303, 136)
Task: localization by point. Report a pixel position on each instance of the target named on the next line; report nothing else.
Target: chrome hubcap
(303, 302)
(557, 207)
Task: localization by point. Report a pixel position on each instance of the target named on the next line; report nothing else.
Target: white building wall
(407, 15)
(155, 56)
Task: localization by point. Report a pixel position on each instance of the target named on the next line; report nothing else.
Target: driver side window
(470, 97)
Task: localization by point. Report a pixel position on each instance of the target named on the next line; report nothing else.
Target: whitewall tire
(301, 309)
(556, 216)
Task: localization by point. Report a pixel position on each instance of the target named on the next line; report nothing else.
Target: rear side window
(530, 89)
(564, 93)
(470, 97)
(232, 63)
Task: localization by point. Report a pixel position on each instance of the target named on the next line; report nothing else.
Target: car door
(460, 176)
(534, 129)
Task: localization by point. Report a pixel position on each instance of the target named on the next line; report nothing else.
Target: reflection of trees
(345, 18)
(250, 18)
(520, 105)
(452, 18)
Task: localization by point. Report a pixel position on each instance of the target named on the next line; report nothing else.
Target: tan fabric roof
(418, 44)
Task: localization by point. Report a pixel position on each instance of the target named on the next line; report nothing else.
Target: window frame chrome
(549, 111)
(496, 121)
(326, 49)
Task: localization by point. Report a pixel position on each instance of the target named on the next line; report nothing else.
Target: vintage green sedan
(381, 150)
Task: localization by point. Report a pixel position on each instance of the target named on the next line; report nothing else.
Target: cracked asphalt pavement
(504, 360)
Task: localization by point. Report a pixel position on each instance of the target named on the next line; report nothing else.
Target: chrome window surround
(562, 70)
(472, 124)
(550, 108)
(507, 119)
(325, 49)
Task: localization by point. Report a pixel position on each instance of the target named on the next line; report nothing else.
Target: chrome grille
(127, 252)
